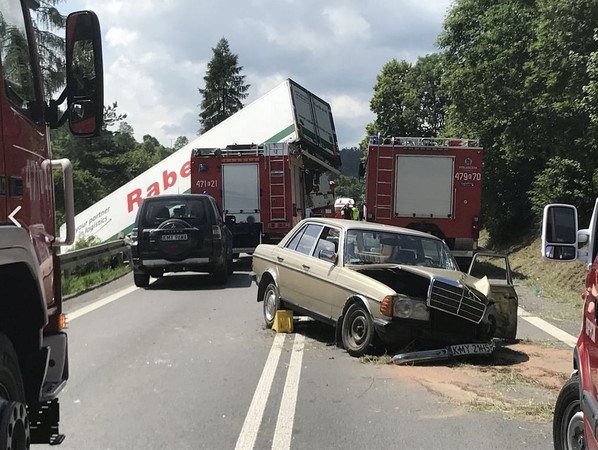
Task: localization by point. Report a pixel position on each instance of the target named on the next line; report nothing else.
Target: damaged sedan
(376, 284)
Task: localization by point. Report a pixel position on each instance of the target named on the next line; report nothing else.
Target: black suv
(176, 233)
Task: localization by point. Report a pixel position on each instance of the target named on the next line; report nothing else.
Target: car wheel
(14, 424)
(141, 279)
(271, 304)
(357, 330)
(567, 425)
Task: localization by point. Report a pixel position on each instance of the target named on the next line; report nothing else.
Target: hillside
(557, 283)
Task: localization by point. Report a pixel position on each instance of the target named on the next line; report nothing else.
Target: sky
(156, 53)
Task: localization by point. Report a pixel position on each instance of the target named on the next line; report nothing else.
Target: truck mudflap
(43, 423)
(448, 352)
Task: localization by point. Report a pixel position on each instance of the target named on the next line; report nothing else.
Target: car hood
(481, 285)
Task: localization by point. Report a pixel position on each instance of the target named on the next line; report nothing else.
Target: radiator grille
(457, 300)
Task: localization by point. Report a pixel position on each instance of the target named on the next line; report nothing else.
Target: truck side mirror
(84, 74)
(559, 232)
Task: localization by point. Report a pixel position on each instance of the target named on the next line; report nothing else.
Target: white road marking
(286, 415)
(555, 332)
(255, 413)
(95, 305)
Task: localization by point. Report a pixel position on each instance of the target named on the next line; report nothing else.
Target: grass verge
(78, 283)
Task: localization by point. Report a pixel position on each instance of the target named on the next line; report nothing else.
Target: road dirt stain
(518, 380)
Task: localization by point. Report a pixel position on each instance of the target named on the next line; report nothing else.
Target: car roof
(175, 197)
(363, 225)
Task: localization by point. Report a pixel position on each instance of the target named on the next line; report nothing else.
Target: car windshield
(375, 247)
(192, 211)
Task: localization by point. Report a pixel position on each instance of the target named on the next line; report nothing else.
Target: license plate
(174, 237)
(472, 349)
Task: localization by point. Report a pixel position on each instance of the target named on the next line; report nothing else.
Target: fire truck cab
(575, 423)
(33, 345)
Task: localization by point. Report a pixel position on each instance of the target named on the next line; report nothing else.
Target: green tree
(426, 101)
(225, 87)
(46, 21)
(180, 142)
(388, 102)
(350, 187)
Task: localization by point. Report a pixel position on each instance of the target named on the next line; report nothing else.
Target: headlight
(408, 308)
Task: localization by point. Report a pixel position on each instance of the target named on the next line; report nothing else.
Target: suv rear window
(196, 212)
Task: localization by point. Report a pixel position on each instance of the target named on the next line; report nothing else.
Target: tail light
(134, 235)
(475, 227)
(216, 232)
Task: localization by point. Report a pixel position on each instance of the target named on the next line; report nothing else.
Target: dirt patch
(521, 380)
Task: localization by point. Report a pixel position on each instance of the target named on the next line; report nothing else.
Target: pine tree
(225, 88)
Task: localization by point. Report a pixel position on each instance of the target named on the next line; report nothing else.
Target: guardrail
(97, 254)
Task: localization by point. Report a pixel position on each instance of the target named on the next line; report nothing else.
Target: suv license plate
(174, 237)
(472, 349)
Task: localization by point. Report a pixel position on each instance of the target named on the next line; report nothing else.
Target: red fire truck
(575, 422)
(263, 190)
(428, 184)
(33, 345)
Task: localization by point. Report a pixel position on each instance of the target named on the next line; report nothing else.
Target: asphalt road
(186, 364)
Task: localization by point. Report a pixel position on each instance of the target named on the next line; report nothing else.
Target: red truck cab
(33, 345)
(575, 424)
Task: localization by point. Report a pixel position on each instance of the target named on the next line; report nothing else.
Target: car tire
(141, 279)
(357, 330)
(14, 424)
(567, 424)
(271, 304)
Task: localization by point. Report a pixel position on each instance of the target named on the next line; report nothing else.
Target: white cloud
(347, 24)
(156, 53)
(120, 37)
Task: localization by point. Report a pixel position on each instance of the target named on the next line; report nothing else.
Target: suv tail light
(216, 232)
(475, 227)
(134, 235)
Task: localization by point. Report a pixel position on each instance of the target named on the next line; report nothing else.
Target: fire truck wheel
(271, 304)
(567, 425)
(141, 279)
(14, 423)
(357, 330)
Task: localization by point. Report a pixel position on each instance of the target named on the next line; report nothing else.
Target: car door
(496, 268)
(294, 263)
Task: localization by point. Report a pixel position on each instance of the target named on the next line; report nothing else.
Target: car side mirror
(559, 232)
(84, 74)
(328, 255)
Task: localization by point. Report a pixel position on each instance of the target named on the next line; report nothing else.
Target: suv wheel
(141, 279)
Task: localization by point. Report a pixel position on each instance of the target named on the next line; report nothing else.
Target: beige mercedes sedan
(375, 283)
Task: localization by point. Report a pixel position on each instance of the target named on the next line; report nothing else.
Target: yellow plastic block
(283, 321)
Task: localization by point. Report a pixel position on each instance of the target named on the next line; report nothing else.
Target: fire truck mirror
(85, 87)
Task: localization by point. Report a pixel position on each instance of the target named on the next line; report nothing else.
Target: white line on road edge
(98, 304)
(286, 415)
(255, 413)
(555, 332)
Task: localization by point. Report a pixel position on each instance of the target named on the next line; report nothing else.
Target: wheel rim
(358, 330)
(270, 304)
(14, 420)
(574, 435)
